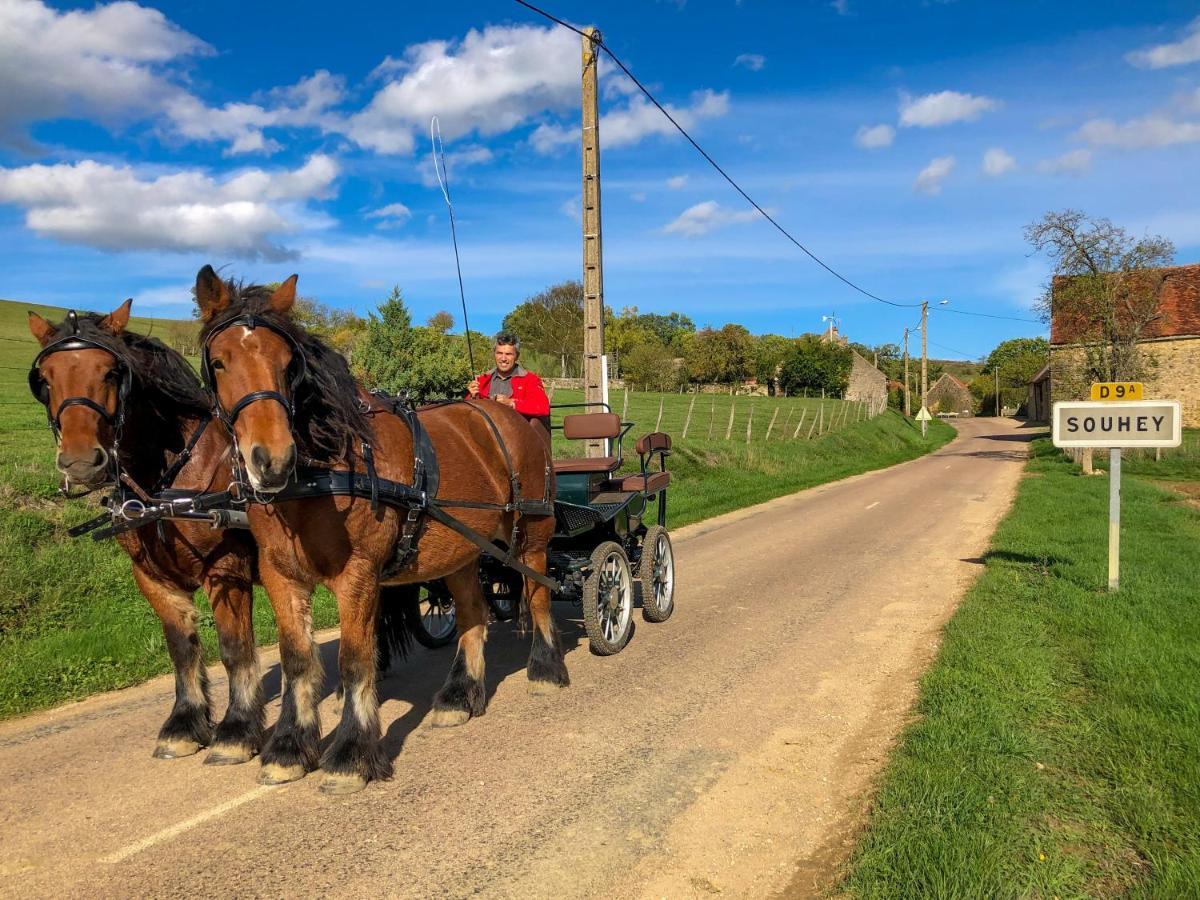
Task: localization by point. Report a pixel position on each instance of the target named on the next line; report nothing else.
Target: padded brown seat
(650, 484)
(599, 464)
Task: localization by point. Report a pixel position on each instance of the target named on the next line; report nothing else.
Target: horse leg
(463, 695)
(238, 737)
(189, 726)
(547, 670)
(293, 750)
(355, 757)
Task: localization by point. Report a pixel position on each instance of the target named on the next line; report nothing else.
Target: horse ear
(41, 330)
(284, 296)
(212, 294)
(114, 323)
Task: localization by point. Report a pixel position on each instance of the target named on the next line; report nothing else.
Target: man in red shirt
(512, 384)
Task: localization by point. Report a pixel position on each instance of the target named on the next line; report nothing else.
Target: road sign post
(1114, 425)
(924, 417)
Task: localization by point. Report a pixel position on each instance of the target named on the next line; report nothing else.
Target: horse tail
(392, 632)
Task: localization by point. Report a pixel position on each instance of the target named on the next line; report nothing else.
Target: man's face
(506, 358)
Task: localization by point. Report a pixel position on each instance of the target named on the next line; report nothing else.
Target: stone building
(867, 383)
(1170, 348)
(949, 395)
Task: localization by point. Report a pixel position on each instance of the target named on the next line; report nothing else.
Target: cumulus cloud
(104, 63)
(638, 120)
(841, 7)
(943, 108)
(752, 61)
(706, 217)
(1074, 163)
(1150, 131)
(392, 216)
(570, 209)
(997, 162)
(872, 137)
(117, 208)
(1177, 53)
(678, 182)
(930, 179)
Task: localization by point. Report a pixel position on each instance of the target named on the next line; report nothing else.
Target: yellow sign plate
(1117, 390)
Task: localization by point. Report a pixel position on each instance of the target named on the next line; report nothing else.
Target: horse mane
(164, 385)
(328, 419)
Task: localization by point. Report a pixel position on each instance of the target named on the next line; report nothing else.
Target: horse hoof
(229, 755)
(273, 773)
(449, 718)
(175, 748)
(335, 783)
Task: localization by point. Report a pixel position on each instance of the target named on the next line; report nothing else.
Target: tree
(1104, 291)
(651, 367)
(816, 365)
(622, 334)
(667, 328)
(395, 356)
(552, 322)
(441, 322)
(770, 350)
(721, 357)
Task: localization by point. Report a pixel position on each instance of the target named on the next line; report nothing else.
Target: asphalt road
(724, 751)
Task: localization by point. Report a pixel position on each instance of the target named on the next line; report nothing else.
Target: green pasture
(1056, 747)
(72, 623)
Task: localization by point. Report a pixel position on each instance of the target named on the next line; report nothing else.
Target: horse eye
(112, 375)
(217, 364)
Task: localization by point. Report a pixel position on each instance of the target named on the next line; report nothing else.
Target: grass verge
(1056, 751)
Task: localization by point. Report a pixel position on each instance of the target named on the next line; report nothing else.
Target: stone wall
(949, 395)
(867, 383)
(1172, 373)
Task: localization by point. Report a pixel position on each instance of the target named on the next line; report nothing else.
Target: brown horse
(289, 399)
(121, 402)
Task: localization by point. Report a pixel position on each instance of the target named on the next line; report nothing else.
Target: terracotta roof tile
(1178, 313)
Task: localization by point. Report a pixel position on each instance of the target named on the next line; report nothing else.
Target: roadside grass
(72, 622)
(1056, 746)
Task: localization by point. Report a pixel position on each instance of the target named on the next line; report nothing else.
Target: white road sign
(924, 416)
(1140, 423)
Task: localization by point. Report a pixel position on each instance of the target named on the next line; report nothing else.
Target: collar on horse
(297, 369)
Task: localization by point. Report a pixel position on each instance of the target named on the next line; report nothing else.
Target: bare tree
(1104, 292)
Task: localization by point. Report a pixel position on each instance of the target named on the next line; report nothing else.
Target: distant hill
(14, 321)
(961, 369)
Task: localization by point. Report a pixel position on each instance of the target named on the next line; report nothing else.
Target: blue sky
(906, 142)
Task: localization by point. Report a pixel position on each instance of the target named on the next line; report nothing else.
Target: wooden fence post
(821, 419)
(810, 429)
(658, 422)
(799, 425)
(729, 427)
(712, 414)
(625, 408)
(774, 416)
(688, 421)
(750, 422)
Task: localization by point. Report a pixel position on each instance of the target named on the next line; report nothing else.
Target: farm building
(867, 383)
(949, 395)
(1170, 345)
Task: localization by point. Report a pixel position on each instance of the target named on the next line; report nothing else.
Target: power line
(963, 312)
(964, 353)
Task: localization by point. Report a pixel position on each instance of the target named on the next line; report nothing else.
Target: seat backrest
(655, 440)
(591, 426)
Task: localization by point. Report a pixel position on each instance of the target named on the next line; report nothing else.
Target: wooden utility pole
(593, 257)
(907, 406)
(997, 392)
(924, 363)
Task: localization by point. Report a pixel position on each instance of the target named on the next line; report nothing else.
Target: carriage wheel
(431, 618)
(608, 600)
(656, 570)
(502, 589)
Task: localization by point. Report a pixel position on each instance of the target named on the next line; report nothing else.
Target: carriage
(610, 541)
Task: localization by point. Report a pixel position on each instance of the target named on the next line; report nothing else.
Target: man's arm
(533, 400)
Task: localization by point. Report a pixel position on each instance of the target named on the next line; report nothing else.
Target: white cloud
(638, 197)
(1150, 131)
(1074, 163)
(1179, 53)
(930, 179)
(677, 183)
(752, 61)
(570, 209)
(943, 108)
(841, 7)
(457, 161)
(707, 217)
(117, 209)
(638, 120)
(103, 63)
(997, 162)
(872, 137)
(393, 215)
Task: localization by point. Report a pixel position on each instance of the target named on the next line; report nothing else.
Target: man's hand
(506, 401)
(473, 387)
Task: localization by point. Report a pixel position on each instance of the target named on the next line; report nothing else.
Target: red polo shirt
(529, 397)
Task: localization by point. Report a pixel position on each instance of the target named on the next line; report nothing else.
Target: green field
(1056, 751)
(72, 622)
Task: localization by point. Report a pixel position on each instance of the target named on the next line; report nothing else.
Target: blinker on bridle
(40, 389)
(297, 367)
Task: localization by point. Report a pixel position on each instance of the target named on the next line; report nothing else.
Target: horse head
(83, 381)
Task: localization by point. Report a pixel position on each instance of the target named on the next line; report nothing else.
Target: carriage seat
(590, 427)
(650, 483)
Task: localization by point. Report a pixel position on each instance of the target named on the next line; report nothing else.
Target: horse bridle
(40, 389)
(297, 369)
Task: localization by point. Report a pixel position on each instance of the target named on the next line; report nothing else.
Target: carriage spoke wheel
(502, 589)
(608, 600)
(431, 618)
(657, 574)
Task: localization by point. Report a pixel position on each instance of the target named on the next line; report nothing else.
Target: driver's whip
(443, 177)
